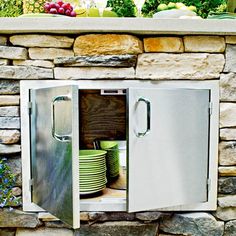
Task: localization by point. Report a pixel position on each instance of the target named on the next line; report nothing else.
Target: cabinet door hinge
(29, 108)
(210, 108)
(31, 181)
(208, 184)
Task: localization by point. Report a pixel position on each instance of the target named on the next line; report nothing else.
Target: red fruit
(57, 6)
(61, 10)
(68, 5)
(68, 12)
(60, 2)
(53, 11)
(52, 5)
(73, 14)
(64, 6)
(46, 7)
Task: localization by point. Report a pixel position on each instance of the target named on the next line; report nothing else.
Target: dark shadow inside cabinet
(102, 126)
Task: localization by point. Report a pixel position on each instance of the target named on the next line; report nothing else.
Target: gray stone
(10, 122)
(44, 232)
(111, 216)
(13, 52)
(4, 62)
(193, 66)
(49, 53)
(36, 63)
(228, 134)
(7, 232)
(150, 215)
(227, 115)
(230, 55)
(230, 228)
(227, 201)
(227, 185)
(17, 218)
(16, 191)
(10, 111)
(39, 40)
(8, 100)
(25, 72)
(120, 228)
(15, 166)
(3, 40)
(9, 136)
(228, 87)
(9, 87)
(227, 153)
(56, 224)
(94, 73)
(102, 60)
(9, 149)
(194, 224)
(226, 213)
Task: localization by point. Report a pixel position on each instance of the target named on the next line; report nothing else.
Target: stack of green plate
(112, 158)
(92, 171)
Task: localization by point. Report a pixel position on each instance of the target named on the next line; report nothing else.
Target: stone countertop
(117, 25)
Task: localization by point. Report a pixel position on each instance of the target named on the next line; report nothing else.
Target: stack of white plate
(92, 171)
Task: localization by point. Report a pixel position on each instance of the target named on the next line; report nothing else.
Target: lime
(179, 5)
(162, 7)
(171, 5)
(192, 8)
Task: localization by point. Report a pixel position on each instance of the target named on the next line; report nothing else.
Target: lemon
(192, 8)
(94, 12)
(171, 5)
(179, 5)
(162, 7)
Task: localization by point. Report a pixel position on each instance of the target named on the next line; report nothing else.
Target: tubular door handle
(60, 138)
(148, 104)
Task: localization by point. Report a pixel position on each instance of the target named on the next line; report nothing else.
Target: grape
(53, 11)
(68, 12)
(60, 2)
(52, 5)
(46, 7)
(61, 11)
(73, 14)
(59, 7)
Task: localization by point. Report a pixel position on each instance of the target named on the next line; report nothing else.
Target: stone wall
(120, 56)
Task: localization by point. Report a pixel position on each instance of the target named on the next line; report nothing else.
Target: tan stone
(36, 63)
(204, 44)
(4, 62)
(228, 134)
(39, 40)
(107, 44)
(49, 53)
(179, 66)
(9, 136)
(7, 100)
(84, 216)
(16, 191)
(3, 40)
(227, 171)
(94, 73)
(227, 115)
(230, 39)
(9, 149)
(227, 153)
(163, 44)
(226, 214)
(228, 87)
(13, 52)
(44, 232)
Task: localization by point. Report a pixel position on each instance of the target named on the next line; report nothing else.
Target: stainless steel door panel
(168, 165)
(54, 152)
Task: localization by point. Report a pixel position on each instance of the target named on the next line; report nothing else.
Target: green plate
(84, 192)
(91, 153)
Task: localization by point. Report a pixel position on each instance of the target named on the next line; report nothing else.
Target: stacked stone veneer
(120, 56)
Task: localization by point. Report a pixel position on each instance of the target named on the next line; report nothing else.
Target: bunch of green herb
(123, 8)
(11, 8)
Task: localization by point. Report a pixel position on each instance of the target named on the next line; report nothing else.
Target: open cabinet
(171, 135)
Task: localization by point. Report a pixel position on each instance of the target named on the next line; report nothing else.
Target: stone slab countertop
(117, 25)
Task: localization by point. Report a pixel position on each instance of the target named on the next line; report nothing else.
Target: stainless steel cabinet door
(54, 152)
(168, 147)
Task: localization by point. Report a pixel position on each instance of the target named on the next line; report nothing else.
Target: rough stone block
(227, 171)
(10, 122)
(230, 39)
(39, 40)
(36, 63)
(110, 216)
(93, 73)
(150, 215)
(102, 60)
(16, 168)
(3, 40)
(8, 100)
(107, 44)
(9, 136)
(25, 72)
(44, 232)
(226, 214)
(7, 232)
(10, 111)
(230, 56)
(228, 134)
(227, 201)
(4, 62)
(230, 228)
(227, 115)
(228, 87)
(194, 224)
(9, 149)
(13, 52)
(204, 44)
(120, 228)
(179, 66)
(16, 191)
(227, 185)
(227, 153)
(9, 87)
(163, 44)
(17, 218)
(49, 53)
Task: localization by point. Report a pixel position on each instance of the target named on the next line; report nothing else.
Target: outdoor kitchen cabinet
(171, 135)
